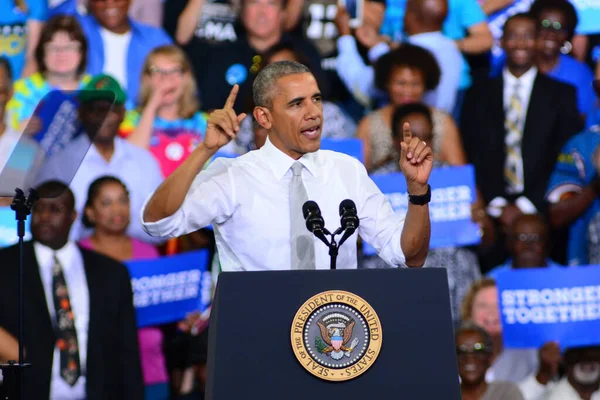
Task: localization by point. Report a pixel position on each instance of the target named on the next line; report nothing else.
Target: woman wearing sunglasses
(474, 355)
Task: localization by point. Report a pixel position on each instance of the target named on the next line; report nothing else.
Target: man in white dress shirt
(247, 199)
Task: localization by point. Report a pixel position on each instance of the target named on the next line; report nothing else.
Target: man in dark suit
(514, 126)
(80, 330)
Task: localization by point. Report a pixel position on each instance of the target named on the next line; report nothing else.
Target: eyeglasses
(528, 237)
(553, 26)
(176, 71)
(479, 350)
(68, 48)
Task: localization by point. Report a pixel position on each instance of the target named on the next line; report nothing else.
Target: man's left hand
(416, 161)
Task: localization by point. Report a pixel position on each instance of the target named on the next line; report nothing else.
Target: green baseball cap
(103, 87)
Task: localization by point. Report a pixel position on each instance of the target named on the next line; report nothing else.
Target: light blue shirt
(133, 165)
(462, 14)
(360, 78)
(508, 265)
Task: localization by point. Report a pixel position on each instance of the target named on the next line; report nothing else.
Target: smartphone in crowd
(355, 10)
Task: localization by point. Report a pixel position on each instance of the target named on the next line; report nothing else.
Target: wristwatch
(422, 199)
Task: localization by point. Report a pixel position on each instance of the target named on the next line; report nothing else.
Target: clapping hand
(223, 124)
(416, 161)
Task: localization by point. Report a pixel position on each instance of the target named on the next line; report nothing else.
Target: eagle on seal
(336, 339)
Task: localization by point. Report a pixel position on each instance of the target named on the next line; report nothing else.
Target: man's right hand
(223, 124)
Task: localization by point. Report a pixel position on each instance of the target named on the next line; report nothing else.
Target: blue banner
(166, 289)
(452, 193)
(59, 118)
(558, 304)
(349, 146)
(588, 13)
(8, 227)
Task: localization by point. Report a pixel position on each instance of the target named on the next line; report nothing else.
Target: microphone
(348, 219)
(314, 220)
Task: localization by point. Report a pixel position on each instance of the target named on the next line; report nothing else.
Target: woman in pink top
(107, 211)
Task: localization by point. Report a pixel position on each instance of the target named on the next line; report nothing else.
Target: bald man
(423, 21)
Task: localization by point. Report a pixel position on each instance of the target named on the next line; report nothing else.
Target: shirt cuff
(377, 51)
(346, 44)
(525, 205)
(494, 208)
(531, 389)
(392, 252)
(166, 227)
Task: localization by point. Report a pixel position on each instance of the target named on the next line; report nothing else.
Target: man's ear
(263, 116)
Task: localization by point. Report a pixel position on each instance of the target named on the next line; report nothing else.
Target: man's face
(51, 220)
(518, 41)
(553, 32)
(5, 91)
(473, 356)
(102, 120)
(111, 14)
(263, 18)
(528, 242)
(295, 119)
(583, 366)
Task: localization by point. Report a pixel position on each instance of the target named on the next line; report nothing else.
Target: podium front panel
(250, 354)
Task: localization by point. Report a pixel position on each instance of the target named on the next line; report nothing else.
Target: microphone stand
(12, 372)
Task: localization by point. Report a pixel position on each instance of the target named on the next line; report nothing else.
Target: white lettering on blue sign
(452, 203)
(551, 305)
(166, 288)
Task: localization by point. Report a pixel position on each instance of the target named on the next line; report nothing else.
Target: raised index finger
(406, 133)
(232, 96)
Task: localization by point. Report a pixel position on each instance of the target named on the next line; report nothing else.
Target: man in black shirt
(219, 67)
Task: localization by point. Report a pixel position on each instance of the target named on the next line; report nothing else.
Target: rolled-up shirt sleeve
(379, 225)
(210, 200)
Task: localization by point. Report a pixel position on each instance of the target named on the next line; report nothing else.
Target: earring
(566, 48)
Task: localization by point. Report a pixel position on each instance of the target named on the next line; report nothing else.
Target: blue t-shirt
(462, 14)
(13, 30)
(574, 170)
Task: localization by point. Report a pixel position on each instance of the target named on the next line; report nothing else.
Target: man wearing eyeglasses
(574, 191)
(528, 245)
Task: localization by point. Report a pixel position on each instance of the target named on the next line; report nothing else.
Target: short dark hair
(526, 16)
(470, 326)
(61, 23)
(5, 64)
(564, 6)
(53, 188)
(533, 218)
(407, 109)
(94, 191)
(266, 80)
(409, 56)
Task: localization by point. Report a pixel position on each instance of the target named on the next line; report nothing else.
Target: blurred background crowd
(511, 87)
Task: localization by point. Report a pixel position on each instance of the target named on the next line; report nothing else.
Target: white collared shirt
(525, 87)
(247, 201)
(136, 167)
(74, 272)
(564, 391)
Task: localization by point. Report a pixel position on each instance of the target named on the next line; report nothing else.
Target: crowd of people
(526, 116)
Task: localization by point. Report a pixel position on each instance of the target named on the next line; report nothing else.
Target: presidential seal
(336, 335)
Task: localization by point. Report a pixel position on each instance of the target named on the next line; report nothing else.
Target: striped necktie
(513, 124)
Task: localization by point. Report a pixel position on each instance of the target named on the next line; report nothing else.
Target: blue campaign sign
(452, 193)
(166, 289)
(8, 227)
(349, 146)
(588, 13)
(58, 114)
(558, 304)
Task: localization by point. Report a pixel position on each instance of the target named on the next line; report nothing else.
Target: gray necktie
(303, 250)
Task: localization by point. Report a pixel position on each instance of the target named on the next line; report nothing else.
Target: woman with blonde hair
(167, 120)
